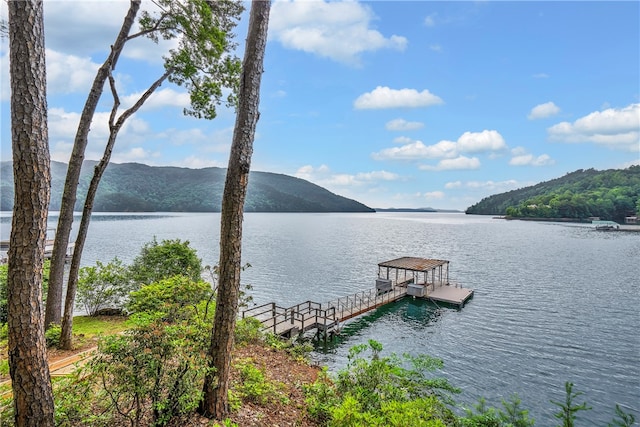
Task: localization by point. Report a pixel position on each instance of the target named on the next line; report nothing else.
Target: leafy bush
(154, 370)
(248, 331)
(169, 258)
(382, 391)
(78, 402)
(300, 350)
(103, 286)
(52, 335)
(381, 379)
(321, 397)
(422, 412)
(177, 297)
(255, 387)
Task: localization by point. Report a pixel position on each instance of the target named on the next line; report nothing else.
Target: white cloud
(541, 76)
(459, 163)
(323, 176)
(435, 47)
(385, 97)
(495, 186)
(469, 142)
(430, 20)
(475, 142)
(431, 195)
(454, 184)
(83, 27)
(167, 97)
(69, 73)
(402, 140)
(531, 160)
(403, 125)
(543, 111)
(616, 128)
(63, 126)
(321, 28)
(417, 150)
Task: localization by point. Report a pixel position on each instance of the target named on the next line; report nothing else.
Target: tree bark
(215, 401)
(31, 383)
(65, 220)
(66, 336)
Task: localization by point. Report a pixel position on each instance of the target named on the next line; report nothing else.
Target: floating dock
(399, 278)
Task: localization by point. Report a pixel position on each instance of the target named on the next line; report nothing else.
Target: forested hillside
(610, 194)
(133, 187)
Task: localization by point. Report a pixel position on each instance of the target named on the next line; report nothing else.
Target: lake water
(553, 302)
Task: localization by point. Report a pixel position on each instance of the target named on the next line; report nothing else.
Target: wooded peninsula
(612, 194)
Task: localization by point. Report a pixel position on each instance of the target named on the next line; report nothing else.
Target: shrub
(321, 397)
(103, 286)
(248, 331)
(169, 258)
(381, 379)
(177, 297)
(255, 387)
(52, 335)
(154, 370)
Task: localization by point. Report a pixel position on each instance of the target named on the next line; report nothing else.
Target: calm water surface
(553, 302)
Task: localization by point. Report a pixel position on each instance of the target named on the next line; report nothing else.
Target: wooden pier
(416, 277)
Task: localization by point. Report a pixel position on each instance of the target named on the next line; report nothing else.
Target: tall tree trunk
(215, 402)
(53, 312)
(31, 383)
(66, 336)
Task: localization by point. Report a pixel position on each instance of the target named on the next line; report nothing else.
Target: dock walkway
(326, 318)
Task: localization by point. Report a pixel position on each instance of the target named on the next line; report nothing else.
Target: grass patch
(90, 327)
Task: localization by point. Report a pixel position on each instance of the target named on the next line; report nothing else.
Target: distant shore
(620, 227)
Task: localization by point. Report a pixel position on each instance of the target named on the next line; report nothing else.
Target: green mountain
(611, 194)
(134, 187)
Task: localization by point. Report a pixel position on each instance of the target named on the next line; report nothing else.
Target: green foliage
(175, 298)
(102, 286)
(4, 367)
(255, 387)
(247, 331)
(4, 270)
(202, 61)
(154, 370)
(78, 402)
(52, 335)
(379, 379)
(382, 391)
(622, 419)
(568, 409)
(513, 414)
(169, 258)
(484, 416)
(422, 412)
(300, 350)
(321, 397)
(611, 195)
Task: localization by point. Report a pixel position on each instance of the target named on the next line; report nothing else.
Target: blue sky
(394, 104)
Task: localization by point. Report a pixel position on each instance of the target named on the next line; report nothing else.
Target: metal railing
(361, 301)
(303, 316)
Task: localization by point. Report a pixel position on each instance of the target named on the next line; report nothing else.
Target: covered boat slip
(407, 276)
(423, 277)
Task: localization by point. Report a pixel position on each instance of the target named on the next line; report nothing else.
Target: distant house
(631, 220)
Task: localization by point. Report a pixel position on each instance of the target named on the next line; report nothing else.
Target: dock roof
(413, 263)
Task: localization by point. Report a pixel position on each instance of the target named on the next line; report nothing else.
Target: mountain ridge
(136, 187)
